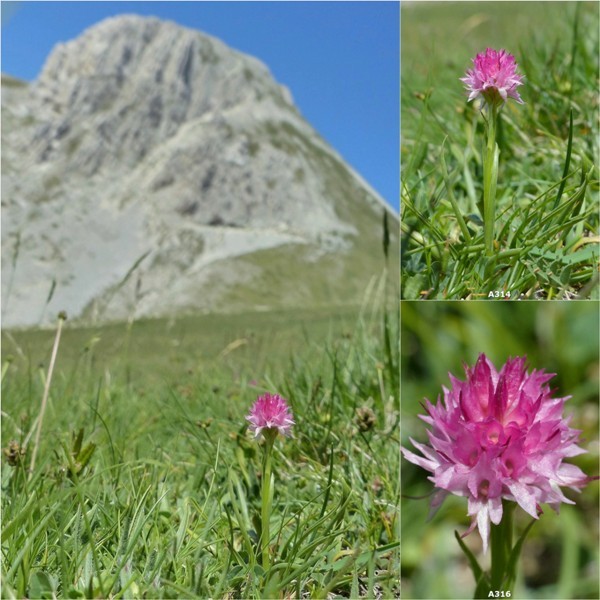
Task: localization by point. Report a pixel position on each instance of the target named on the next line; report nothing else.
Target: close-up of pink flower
(270, 411)
(494, 77)
(499, 435)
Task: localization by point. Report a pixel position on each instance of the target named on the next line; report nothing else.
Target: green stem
(490, 178)
(501, 543)
(267, 496)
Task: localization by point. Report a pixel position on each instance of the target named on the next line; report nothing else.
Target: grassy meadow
(560, 554)
(546, 218)
(147, 482)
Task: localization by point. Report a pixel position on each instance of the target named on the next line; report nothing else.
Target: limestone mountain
(152, 170)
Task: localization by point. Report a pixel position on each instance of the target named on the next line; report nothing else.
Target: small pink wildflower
(270, 412)
(494, 77)
(499, 435)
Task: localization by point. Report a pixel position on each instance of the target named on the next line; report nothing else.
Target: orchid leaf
(511, 568)
(483, 587)
(477, 570)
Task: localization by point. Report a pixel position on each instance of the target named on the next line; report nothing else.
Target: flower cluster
(270, 412)
(499, 435)
(494, 77)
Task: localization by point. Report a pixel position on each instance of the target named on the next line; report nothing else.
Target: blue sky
(339, 59)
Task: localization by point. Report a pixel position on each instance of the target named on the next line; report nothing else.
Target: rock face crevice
(136, 81)
(142, 138)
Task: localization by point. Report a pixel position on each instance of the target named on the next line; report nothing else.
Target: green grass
(546, 227)
(147, 483)
(165, 351)
(560, 554)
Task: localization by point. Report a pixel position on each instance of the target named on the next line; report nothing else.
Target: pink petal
(524, 497)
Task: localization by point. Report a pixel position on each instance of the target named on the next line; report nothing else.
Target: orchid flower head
(493, 77)
(270, 412)
(499, 435)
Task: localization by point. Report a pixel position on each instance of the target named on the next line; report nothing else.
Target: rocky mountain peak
(152, 169)
(139, 80)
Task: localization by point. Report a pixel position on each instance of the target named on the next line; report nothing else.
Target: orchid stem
(501, 543)
(267, 496)
(490, 179)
